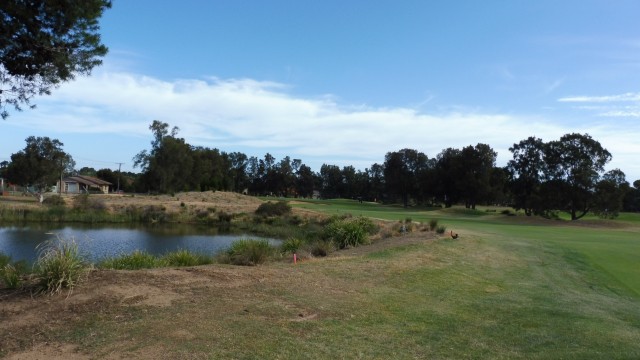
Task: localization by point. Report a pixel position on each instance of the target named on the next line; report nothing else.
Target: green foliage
(441, 229)
(269, 208)
(11, 273)
(433, 224)
(348, 232)
(4, 259)
(11, 276)
(59, 266)
(185, 258)
(85, 202)
(40, 163)
(133, 261)
(320, 248)
(45, 43)
(54, 201)
(291, 245)
(249, 252)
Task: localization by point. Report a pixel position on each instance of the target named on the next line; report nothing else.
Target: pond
(99, 242)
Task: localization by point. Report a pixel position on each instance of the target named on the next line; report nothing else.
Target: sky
(344, 82)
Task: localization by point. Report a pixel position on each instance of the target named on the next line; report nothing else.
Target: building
(80, 184)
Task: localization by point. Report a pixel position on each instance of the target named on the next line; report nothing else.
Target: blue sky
(344, 82)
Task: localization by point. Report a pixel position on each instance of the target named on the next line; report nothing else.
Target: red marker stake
(295, 259)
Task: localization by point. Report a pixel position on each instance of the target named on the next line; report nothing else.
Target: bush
(279, 208)
(433, 224)
(441, 229)
(320, 248)
(4, 260)
(249, 252)
(134, 261)
(185, 258)
(59, 266)
(55, 200)
(291, 245)
(348, 232)
(84, 202)
(11, 276)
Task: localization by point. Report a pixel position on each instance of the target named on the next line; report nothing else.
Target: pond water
(99, 242)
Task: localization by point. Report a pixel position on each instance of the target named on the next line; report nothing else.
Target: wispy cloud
(626, 97)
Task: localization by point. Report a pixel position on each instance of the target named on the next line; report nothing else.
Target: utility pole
(119, 167)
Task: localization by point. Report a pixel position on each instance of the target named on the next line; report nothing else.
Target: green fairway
(610, 250)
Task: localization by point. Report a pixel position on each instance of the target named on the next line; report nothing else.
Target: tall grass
(59, 266)
(248, 252)
(143, 260)
(133, 261)
(350, 232)
(185, 258)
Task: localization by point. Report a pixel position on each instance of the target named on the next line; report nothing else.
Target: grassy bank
(507, 288)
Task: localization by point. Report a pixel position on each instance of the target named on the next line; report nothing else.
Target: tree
(401, 173)
(448, 172)
(609, 194)
(88, 171)
(573, 166)
(44, 43)
(526, 171)
(39, 164)
(477, 164)
(168, 166)
(305, 181)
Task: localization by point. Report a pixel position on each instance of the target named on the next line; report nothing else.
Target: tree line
(542, 178)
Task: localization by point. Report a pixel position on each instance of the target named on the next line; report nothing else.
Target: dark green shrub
(55, 200)
(291, 245)
(224, 217)
(347, 232)
(279, 208)
(85, 202)
(134, 261)
(320, 248)
(185, 258)
(441, 229)
(433, 224)
(4, 260)
(249, 252)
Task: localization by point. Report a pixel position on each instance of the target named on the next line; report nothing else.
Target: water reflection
(98, 242)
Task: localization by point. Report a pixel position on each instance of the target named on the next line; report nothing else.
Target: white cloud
(626, 97)
(256, 117)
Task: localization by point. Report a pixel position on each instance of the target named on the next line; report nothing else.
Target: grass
(142, 260)
(489, 295)
(59, 266)
(509, 288)
(248, 252)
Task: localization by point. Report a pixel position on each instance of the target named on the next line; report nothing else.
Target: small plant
(279, 208)
(59, 266)
(249, 252)
(441, 229)
(55, 200)
(134, 261)
(11, 276)
(84, 202)
(408, 220)
(291, 245)
(225, 217)
(348, 232)
(433, 224)
(320, 248)
(185, 258)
